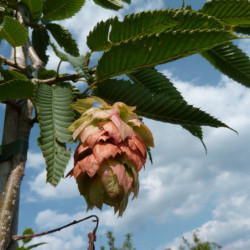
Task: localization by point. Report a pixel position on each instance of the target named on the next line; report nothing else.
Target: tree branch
(12, 64)
(91, 236)
(63, 78)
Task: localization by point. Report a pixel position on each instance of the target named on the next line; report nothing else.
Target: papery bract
(111, 152)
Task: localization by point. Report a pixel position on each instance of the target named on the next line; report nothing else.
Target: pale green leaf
(79, 63)
(54, 116)
(110, 4)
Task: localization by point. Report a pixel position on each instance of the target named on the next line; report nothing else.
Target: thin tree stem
(21, 237)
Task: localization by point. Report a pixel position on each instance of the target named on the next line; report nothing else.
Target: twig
(11, 63)
(58, 68)
(21, 237)
(62, 78)
(90, 87)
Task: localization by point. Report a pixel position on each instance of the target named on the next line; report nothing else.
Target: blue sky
(184, 189)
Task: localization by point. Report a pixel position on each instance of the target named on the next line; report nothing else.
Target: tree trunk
(17, 126)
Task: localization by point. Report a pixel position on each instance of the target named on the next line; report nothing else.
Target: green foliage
(127, 244)
(147, 23)
(27, 240)
(13, 89)
(157, 83)
(79, 63)
(230, 60)
(35, 7)
(230, 12)
(153, 50)
(111, 4)
(61, 9)
(133, 47)
(40, 42)
(63, 38)
(157, 106)
(54, 116)
(8, 75)
(197, 244)
(13, 32)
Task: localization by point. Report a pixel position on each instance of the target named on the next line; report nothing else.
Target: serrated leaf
(61, 9)
(230, 12)
(243, 30)
(110, 4)
(230, 60)
(40, 42)
(158, 83)
(155, 81)
(156, 106)
(79, 63)
(197, 132)
(35, 7)
(55, 115)
(63, 38)
(45, 74)
(13, 32)
(16, 89)
(156, 49)
(147, 23)
(36, 245)
(8, 75)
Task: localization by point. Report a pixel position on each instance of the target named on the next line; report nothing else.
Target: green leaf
(79, 63)
(147, 23)
(8, 75)
(230, 60)
(63, 38)
(243, 30)
(45, 74)
(155, 81)
(158, 83)
(16, 89)
(55, 115)
(13, 32)
(61, 9)
(156, 106)
(230, 12)
(27, 231)
(197, 132)
(156, 49)
(110, 4)
(36, 245)
(35, 7)
(40, 42)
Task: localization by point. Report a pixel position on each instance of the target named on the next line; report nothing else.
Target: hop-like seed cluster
(111, 152)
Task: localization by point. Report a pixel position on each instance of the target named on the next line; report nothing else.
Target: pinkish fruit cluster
(111, 152)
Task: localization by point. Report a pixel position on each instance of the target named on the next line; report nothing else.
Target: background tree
(132, 47)
(197, 244)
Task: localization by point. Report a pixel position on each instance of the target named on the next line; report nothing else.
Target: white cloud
(67, 188)
(245, 46)
(35, 160)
